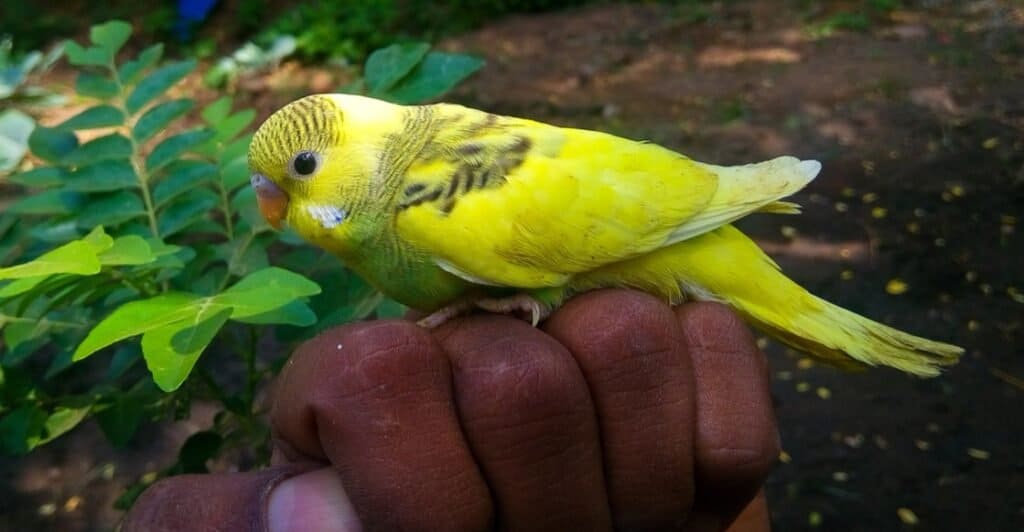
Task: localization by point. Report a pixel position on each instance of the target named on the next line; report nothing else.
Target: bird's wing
(511, 202)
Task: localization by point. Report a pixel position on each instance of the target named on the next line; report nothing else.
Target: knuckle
(748, 465)
(531, 381)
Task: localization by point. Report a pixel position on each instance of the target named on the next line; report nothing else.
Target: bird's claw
(524, 303)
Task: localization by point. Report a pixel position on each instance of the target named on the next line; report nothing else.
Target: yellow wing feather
(572, 201)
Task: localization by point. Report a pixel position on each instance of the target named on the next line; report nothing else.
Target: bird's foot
(525, 304)
(519, 303)
(445, 313)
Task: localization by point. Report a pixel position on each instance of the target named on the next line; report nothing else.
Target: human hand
(619, 413)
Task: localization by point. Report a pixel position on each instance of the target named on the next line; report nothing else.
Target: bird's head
(314, 164)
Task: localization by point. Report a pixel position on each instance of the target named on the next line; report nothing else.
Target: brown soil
(918, 121)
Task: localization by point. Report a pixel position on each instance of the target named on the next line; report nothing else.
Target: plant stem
(225, 206)
(136, 159)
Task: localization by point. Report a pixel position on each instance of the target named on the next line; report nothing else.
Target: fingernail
(311, 501)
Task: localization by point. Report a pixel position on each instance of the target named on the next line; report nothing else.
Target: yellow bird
(446, 208)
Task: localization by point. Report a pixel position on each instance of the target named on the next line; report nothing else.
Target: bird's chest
(408, 278)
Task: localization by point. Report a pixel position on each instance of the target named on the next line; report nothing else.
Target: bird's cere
(328, 216)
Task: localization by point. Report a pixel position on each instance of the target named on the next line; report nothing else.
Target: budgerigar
(446, 208)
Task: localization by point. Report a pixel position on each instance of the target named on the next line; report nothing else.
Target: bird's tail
(732, 268)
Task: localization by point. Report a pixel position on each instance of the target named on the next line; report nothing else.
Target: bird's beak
(272, 200)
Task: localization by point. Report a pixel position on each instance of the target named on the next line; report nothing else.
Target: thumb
(278, 499)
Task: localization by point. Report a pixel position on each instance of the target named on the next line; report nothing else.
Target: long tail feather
(741, 275)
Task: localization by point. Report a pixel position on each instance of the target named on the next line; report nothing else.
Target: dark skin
(618, 413)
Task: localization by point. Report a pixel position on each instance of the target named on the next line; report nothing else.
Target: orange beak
(272, 200)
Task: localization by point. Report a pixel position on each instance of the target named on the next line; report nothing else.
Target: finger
(375, 400)
(527, 414)
(737, 441)
(631, 351)
(235, 501)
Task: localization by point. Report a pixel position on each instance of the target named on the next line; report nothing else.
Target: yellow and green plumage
(440, 204)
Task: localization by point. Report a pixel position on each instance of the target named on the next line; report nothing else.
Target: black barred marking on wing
(483, 154)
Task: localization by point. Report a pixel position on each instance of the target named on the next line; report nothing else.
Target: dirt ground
(914, 221)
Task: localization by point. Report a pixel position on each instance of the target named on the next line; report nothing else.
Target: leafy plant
(412, 73)
(15, 88)
(137, 245)
(249, 58)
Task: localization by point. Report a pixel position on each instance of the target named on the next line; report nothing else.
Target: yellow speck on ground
(784, 457)
(923, 445)
(47, 509)
(840, 476)
(841, 207)
(879, 212)
(805, 363)
(896, 286)
(73, 503)
(814, 519)
(907, 516)
(846, 275)
(978, 454)
(802, 387)
(788, 231)
(990, 143)
(870, 197)
(823, 392)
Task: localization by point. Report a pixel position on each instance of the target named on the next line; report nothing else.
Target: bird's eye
(305, 163)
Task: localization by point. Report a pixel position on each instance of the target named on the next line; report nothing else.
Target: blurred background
(915, 107)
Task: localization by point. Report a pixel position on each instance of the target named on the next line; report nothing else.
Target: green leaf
(216, 111)
(55, 231)
(95, 86)
(128, 250)
(266, 290)
(21, 429)
(235, 174)
(242, 256)
(185, 210)
(124, 322)
(121, 419)
(159, 116)
(295, 313)
(171, 351)
(94, 117)
(77, 257)
(112, 209)
(103, 176)
(111, 35)
(112, 146)
(386, 66)
(80, 56)
(50, 202)
(172, 147)
(130, 70)
(236, 149)
(157, 83)
(51, 144)
(438, 73)
(15, 129)
(182, 176)
(233, 125)
(62, 420)
(40, 177)
(20, 286)
(124, 358)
